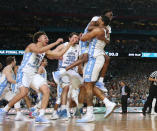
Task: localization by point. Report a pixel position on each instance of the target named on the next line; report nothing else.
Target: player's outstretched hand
(59, 40)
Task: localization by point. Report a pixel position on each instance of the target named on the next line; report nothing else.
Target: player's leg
(105, 66)
(55, 114)
(64, 105)
(41, 85)
(91, 73)
(110, 106)
(100, 82)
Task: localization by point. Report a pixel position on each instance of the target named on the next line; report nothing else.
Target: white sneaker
(86, 118)
(54, 116)
(41, 120)
(20, 117)
(109, 109)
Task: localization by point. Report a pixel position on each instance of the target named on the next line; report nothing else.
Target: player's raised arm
(34, 48)
(55, 54)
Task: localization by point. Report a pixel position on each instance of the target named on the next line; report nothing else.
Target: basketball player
(94, 65)
(34, 53)
(8, 81)
(7, 76)
(42, 71)
(69, 57)
(84, 57)
(84, 46)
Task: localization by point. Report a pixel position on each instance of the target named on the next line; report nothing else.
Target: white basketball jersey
(96, 47)
(70, 56)
(31, 62)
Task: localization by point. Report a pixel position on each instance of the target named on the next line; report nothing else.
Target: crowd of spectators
(123, 7)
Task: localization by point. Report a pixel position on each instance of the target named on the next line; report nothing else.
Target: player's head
(40, 37)
(105, 20)
(108, 13)
(11, 60)
(44, 62)
(74, 37)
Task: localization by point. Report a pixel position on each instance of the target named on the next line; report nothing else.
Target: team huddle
(80, 74)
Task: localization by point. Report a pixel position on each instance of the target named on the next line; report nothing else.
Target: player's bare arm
(55, 54)
(34, 48)
(97, 32)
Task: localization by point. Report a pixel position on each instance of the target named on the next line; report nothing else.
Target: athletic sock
(41, 112)
(107, 102)
(63, 107)
(101, 79)
(89, 110)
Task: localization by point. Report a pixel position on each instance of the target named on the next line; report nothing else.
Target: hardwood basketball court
(116, 122)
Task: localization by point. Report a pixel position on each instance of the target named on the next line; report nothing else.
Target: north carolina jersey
(31, 62)
(96, 47)
(44, 75)
(4, 82)
(84, 46)
(69, 57)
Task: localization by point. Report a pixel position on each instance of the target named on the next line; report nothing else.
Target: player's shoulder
(31, 44)
(29, 47)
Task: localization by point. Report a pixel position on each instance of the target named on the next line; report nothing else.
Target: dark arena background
(132, 51)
